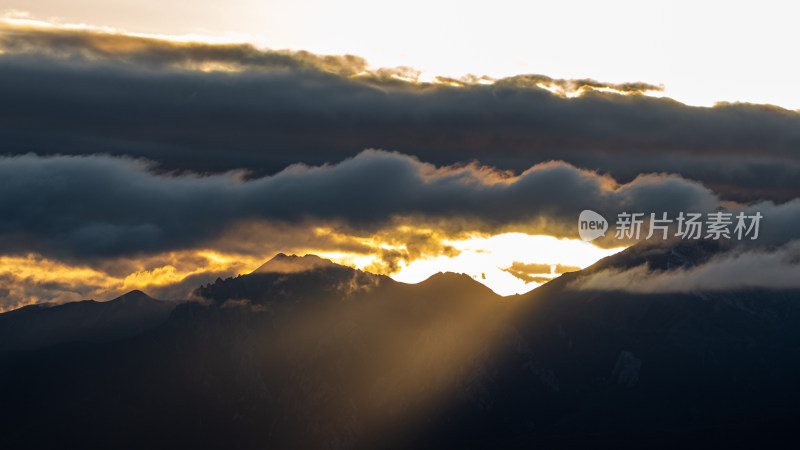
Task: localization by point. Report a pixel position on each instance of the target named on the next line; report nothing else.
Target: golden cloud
(35, 37)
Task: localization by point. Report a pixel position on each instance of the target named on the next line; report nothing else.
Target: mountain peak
(282, 263)
(447, 276)
(133, 296)
(455, 282)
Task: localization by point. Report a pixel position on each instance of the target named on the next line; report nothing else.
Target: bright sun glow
(510, 263)
(487, 259)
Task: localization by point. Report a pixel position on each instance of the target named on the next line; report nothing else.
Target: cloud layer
(119, 150)
(80, 92)
(68, 206)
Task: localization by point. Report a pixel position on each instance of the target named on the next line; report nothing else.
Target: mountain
(617, 368)
(37, 326)
(283, 263)
(294, 279)
(662, 255)
(326, 356)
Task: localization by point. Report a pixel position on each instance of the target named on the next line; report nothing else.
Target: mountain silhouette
(304, 353)
(293, 279)
(283, 263)
(36, 326)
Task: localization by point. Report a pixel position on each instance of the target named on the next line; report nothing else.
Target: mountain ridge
(36, 326)
(340, 358)
(283, 263)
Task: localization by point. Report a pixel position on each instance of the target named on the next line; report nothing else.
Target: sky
(158, 146)
(701, 52)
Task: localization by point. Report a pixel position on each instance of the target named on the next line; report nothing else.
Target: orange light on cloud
(406, 253)
(34, 279)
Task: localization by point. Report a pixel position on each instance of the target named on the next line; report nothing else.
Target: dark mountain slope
(331, 357)
(628, 369)
(324, 358)
(39, 326)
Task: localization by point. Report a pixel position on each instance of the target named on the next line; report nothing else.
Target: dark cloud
(68, 206)
(79, 92)
(95, 45)
(575, 86)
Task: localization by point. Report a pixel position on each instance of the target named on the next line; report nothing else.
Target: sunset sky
(702, 52)
(160, 145)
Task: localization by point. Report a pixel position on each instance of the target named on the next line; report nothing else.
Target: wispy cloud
(738, 269)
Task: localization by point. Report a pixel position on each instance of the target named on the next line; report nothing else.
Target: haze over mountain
(325, 356)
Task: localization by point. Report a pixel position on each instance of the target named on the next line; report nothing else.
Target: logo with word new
(591, 225)
(717, 225)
